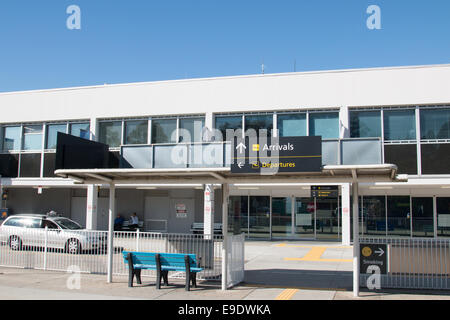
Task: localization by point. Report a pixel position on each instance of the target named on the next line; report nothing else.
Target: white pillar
(94, 129)
(225, 193)
(112, 213)
(91, 207)
(345, 205)
(208, 211)
(344, 123)
(355, 240)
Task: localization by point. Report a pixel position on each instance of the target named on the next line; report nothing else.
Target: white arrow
(380, 252)
(240, 165)
(241, 147)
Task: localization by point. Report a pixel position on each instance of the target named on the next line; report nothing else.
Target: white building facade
(398, 116)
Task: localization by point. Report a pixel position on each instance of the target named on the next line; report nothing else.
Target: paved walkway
(274, 271)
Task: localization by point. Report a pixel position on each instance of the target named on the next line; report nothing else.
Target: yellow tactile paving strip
(315, 253)
(287, 294)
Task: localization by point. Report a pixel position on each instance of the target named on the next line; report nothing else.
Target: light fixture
(146, 188)
(381, 188)
(248, 188)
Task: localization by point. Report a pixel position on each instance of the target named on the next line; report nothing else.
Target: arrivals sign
(373, 256)
(275, 155)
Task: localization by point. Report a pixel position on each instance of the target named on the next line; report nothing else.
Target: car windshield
(67, 224)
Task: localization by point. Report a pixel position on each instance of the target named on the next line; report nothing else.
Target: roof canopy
(329, 174)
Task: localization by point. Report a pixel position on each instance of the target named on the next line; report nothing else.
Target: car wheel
(15, 243)
(73, 246)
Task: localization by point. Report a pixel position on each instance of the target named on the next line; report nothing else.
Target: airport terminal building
(377, 116)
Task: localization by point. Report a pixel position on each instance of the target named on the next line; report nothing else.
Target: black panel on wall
(435, 158)
(77, 153)
(9, 165)
(403, 156)
(30, 165)
(114, 160)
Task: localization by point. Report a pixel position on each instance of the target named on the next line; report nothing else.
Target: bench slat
(169, 261)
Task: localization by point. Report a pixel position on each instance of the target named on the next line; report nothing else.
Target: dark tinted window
(404, 156)
(30, 165)
(223, 123)
(435, 124)
(9, 165)
(435, 158)
(49, 164)
(365, 124)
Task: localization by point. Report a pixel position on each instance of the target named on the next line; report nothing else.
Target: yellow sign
(367, 252)
(255, 147)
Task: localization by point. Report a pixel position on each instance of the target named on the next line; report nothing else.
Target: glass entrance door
(327, 218)
(281, 217)
(304, 218)
(259, 217)
(422, 217)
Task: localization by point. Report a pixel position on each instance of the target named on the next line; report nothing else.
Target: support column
(91, 207)
(208, 212)
(112, 213)
(345, 205)
(225, 194)
(355, 239)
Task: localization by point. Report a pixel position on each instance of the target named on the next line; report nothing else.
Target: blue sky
(147, 40)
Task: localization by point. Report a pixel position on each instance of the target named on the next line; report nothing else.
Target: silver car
(31, 230)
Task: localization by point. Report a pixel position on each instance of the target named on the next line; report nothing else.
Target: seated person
(118, 223)
(134, 221)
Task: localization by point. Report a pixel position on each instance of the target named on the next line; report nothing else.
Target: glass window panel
(398, 216)
(191, 129)
(365, 124)
(374, 215)
(52, 133)
(304, 217)
(164, 130)
(81, 130)
(111, 133)
(422, 217)
(435, 124)
(238, 214)
(435, 158)
(49, 165)
(399, 125)
(259, 122)
(11, 138)
(32, 136)
(443, 214)
(136, 132)
(403, 156)
(224, 123)
(324, 124)
(281, 217)
(30, 165)
(292, 125)
(259, 215)
(9, 165)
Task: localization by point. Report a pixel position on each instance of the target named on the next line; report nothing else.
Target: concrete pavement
(274, 271)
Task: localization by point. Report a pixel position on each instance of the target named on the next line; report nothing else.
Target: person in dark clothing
(118, 223)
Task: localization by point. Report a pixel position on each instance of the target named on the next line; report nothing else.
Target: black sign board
(324, 191)
(373, 255)
(274, 155)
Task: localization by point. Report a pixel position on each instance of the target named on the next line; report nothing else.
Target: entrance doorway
(266, 217)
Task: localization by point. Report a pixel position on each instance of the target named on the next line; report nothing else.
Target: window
(32, 137)
(435, 158)
(292, 125)
(81, 130)
(111, 133)
(398, 216)
(404, 156)
(52, 133)
(191, 129)
(223, 123)
(399, 125)
(30, 165)
(259, 122)
(443, 214)
(374, 215)
(435, 124)
(365, 124)
(324, 124)
(136, 132)
(164, 130)
(11, 138)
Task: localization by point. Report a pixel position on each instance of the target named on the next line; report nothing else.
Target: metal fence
(86, 251)
(413, 263)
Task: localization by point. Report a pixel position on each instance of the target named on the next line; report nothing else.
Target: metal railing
(413, 263)
(58, 250)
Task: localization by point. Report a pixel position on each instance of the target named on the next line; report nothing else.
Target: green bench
(162, 263)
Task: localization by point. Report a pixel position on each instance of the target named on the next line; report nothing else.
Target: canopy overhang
(329, 174)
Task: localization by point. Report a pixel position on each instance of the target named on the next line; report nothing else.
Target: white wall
(365, 87)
